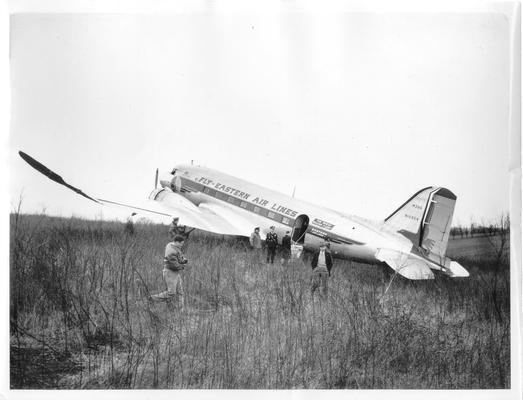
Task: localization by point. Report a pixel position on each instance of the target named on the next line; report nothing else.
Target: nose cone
(166, 179)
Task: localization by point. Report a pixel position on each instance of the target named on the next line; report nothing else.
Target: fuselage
(350, 236)
(412, 240)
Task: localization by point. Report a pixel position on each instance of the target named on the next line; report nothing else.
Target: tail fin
(425, 219)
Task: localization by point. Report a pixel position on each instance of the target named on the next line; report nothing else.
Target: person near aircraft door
(321, 269)
(271, 240)
(286, 248)
(173, 266)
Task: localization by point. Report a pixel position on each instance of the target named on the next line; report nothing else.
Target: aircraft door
(301, 223)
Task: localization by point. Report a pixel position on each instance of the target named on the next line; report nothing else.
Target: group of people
(175, 261)
(321, 261)
(271, 243)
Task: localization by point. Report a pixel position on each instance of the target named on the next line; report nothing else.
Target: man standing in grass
(271, 240)
(286, 248)
(129, 225)
(321, 269)
(255, 239)
(256, 244)
(173, 265)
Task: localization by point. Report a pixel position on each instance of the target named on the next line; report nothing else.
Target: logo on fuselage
(322, 224)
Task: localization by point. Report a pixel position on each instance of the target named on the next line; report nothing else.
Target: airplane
(412, 240)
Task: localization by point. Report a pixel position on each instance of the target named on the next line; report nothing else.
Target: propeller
(156, 179)
(52, 175)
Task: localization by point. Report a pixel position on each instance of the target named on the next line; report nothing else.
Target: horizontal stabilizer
(407, 265)
(455, 270)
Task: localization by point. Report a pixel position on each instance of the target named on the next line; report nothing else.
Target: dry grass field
(78, 319)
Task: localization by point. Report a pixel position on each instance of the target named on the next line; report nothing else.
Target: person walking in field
(286, 248)
(129, 225)
(271, 241)
(173, 265)
(321, 270)
(256, 243)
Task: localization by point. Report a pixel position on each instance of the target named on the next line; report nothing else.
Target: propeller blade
(156, 179)
(52, 175)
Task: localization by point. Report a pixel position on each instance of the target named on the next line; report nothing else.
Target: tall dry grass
(79, 319)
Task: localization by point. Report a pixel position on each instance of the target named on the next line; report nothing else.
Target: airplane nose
(166, 179)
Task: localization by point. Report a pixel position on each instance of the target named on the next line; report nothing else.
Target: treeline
(501, 227)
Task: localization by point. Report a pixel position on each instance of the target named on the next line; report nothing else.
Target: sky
(358, 111)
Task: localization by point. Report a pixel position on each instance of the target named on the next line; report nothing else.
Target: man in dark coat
(321, 269)
(271, 241)
(286, 248)
(129, 226)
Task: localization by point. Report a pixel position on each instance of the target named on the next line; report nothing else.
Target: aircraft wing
(207, 217)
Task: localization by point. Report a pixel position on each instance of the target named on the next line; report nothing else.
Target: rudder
(425, 219)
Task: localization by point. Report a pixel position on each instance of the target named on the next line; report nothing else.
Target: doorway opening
(300, 227)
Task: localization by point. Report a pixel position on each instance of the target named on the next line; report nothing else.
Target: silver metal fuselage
(351, 237)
